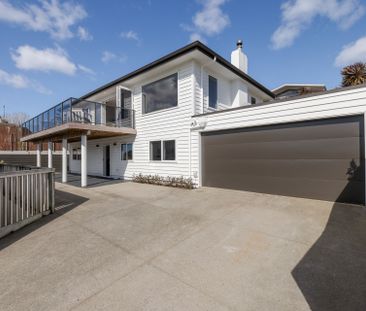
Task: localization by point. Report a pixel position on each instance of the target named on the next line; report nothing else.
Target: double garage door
(321, 159)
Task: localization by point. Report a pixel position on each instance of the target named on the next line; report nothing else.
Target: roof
(197, 45)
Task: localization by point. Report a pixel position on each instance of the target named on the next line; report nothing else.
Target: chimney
(238, 58)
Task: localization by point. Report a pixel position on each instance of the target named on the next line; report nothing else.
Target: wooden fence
(26, 194)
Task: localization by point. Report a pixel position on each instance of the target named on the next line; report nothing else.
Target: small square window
(253, 100)
(169, 150)
(155, 150)
(76, 154)
(126, 152)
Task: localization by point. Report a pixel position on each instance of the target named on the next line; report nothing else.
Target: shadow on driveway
(332, 274)
(64, 202)
(93, 181)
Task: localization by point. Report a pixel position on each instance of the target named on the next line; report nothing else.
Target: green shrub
(179, 182)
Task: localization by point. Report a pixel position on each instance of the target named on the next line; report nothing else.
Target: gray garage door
(316, 159)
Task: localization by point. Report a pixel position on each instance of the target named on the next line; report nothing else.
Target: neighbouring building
(292, 90)
(10, 138)
(194, 114)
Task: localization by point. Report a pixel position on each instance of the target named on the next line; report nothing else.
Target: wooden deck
(73, 131)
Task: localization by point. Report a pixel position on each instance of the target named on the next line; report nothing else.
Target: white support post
(50, 165)
(84, 161)
(39, 146)
(64, 160)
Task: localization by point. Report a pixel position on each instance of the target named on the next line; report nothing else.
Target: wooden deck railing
(26, 193)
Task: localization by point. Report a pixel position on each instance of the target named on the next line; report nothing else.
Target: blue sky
(52, 50)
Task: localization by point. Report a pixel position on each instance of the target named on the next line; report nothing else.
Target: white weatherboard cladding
(168, 124)
(224, 100)
(344, 103)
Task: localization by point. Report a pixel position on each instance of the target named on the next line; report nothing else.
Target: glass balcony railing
(74, 110)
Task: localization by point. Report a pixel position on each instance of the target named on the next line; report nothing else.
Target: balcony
(74, 117)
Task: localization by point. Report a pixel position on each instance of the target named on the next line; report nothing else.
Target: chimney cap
(239, 44)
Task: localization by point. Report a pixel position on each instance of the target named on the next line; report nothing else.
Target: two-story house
(194, 114)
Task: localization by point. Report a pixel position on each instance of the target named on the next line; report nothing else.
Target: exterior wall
(230, 93)
(224, 98)
(167, 124)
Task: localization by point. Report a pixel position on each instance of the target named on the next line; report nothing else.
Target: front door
(107, 160)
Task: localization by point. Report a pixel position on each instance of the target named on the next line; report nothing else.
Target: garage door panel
(342, 148)
(321, 129)
(331, 190)
(316, 169)
(319, 159)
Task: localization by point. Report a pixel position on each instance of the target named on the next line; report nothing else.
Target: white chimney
(238, 58)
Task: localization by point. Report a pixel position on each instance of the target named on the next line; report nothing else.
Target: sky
(51, 50)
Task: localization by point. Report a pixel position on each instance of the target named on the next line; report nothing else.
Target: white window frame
(76, 154)
(162, 150)
(127, 160)
(208, 92)
(143, 112)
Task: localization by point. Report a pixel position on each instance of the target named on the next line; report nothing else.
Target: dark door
(321, 159)
(107, 160)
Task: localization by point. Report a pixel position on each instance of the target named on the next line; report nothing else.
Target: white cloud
(29, 58)
(297, 15)
(209, 21)
(84, 34)
(86, 69)
(108, 56)
(21, 82)
(352, 53)
(130, 35)
(49, 16)
(15, 80)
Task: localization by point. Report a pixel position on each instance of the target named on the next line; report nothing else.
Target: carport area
(130, 246)
(92, 181)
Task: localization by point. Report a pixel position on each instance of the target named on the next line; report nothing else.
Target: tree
(354, 74)
(17, 118)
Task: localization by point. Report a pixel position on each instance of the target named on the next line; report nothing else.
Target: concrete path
(128, 246)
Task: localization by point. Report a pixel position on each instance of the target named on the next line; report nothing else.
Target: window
(160, 94)
(126, 152)
(76, 154)
(169, 150)
(253, 100)
(162, 150)
(155, 150)
(212, 92)
(125, 103)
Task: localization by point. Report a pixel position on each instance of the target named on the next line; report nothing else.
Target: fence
(26, 194)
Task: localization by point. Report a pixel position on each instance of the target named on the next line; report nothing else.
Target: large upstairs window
(161, 94)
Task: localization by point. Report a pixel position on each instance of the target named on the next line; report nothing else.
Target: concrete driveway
(128, 246)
